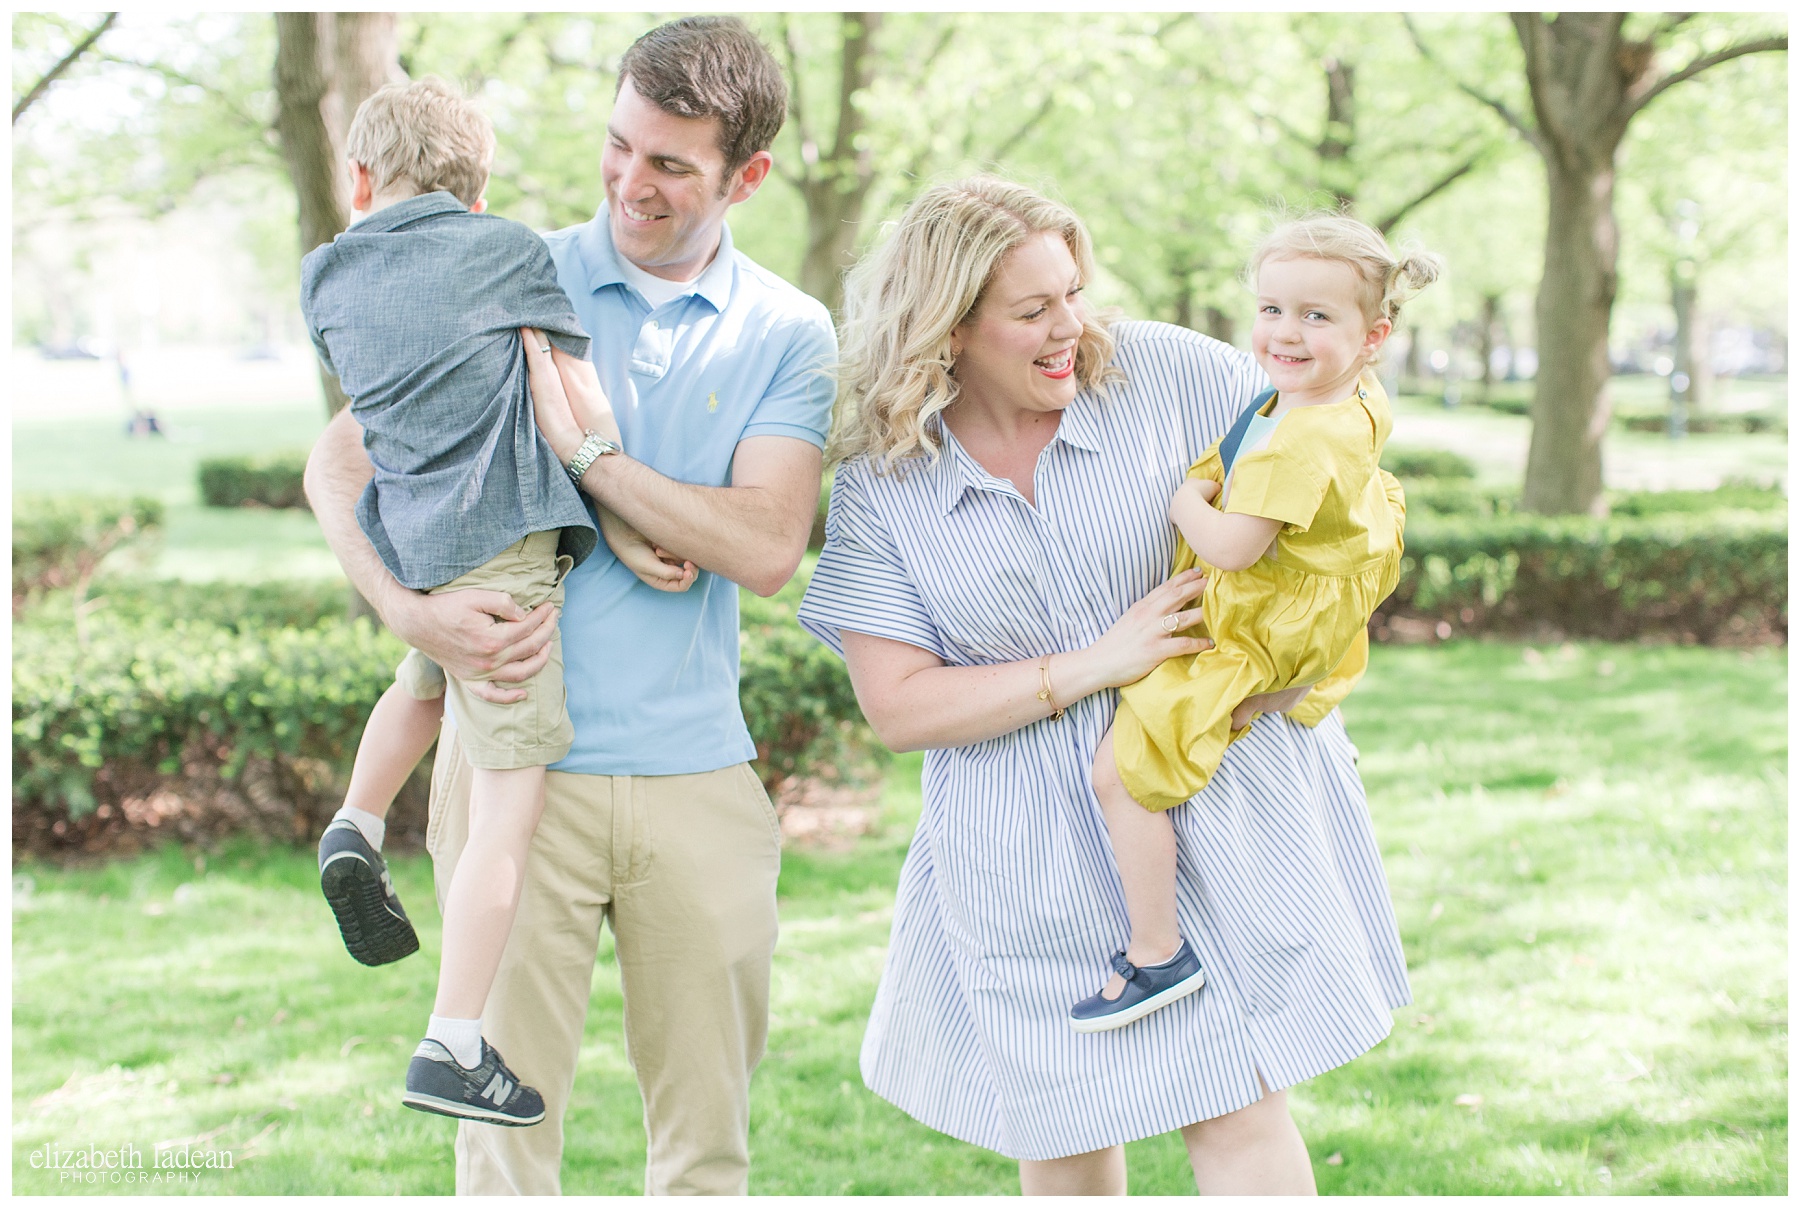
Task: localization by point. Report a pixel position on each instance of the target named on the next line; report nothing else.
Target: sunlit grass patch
(1585, 845)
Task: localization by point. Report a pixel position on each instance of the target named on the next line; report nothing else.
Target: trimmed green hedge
(230, 685)
(1718, 578)
(1426, 463)
(59, 540)
(270, 482)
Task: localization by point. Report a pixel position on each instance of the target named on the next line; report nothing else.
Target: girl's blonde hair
(1384, 281)
(903, 299)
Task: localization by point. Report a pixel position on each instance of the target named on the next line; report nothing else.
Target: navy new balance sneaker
(437, 1082)
(1147, 988)
(356, 883)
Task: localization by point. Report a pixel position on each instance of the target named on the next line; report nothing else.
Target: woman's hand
(650, 563)
(1149, 632)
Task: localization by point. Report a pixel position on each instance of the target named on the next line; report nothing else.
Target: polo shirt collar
(425, 205)
(602, 262)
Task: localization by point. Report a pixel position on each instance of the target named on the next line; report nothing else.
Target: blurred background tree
(1174, 135)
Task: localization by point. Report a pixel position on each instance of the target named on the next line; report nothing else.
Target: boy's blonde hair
(903, 299)
(1383, 280)
(425, 136)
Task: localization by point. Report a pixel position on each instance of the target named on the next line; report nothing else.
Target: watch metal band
(593, 447)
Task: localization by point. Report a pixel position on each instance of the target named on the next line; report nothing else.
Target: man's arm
(752, 532)
(473, 635)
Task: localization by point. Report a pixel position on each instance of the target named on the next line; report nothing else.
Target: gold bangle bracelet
(1056, 711)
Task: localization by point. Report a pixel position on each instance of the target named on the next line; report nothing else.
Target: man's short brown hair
(702, 67)
(425, 136)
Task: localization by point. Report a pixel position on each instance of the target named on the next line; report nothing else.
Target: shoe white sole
(1156, 1002)
(463, 1111)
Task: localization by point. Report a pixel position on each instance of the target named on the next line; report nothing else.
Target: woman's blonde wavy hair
(903, 299)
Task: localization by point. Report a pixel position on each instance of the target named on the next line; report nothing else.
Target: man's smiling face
(667, 188)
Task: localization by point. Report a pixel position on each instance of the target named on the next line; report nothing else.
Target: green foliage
(1455, 497)
(148, 697)
(1750, 422)
(1732, 495)
(271, 481)
(796, 695)
(1707, 578)
(237, 607)
(1426, 463)
(175, 678)
(59, 540)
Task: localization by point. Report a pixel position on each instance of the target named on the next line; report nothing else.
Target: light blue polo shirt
(653, 676)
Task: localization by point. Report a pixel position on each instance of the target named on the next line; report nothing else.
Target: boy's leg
(401, 730)
(352, 874)
(504, 808)
(1143, 844)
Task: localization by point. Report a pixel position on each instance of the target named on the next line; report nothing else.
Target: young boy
(417, 308)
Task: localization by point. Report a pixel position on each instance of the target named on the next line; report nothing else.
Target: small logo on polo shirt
(712, 401)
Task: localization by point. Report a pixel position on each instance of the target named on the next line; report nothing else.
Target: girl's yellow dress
(1300, 615)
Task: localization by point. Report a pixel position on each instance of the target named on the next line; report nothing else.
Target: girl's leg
(1255, 1150)
(1143, 845)
(400, 730)
(1101, 1172)
(504, 807)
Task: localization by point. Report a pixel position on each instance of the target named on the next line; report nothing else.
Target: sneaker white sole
(463, 1111)
(1156, 1002)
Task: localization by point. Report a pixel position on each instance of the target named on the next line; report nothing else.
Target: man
(654, 822)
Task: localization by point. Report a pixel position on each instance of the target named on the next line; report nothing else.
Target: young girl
(1299, 531)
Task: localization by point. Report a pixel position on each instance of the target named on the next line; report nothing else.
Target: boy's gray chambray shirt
(417, 309)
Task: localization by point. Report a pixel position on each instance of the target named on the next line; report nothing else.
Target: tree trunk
(326, 64)
(1490, 324)
(1690, 385)
(836, 186)
(1340, 131)
(1220, 325)
(1574, 306)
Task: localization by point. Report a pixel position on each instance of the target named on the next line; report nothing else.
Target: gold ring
(1169, 623)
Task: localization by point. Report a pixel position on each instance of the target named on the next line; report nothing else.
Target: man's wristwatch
(595, 446)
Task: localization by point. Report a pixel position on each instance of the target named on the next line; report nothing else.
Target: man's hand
(482, 638)
(1267, 702)
(648, 562)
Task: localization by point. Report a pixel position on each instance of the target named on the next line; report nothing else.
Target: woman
(993, 569)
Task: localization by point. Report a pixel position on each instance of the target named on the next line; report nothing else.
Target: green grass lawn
(1586, 846)
(92, 455)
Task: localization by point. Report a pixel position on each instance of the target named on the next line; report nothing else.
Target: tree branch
(796, 104)
(242, 117)
(1528, 133)
(1754, 46)
(67, 61)
(1443, 182)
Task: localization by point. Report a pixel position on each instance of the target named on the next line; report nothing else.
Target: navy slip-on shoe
(356, 884)
(1147, 988)
(490, 1093)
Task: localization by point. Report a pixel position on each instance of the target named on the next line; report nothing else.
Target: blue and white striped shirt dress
(1009, 904)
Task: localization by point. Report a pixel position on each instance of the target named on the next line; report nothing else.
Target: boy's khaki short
(527, 733)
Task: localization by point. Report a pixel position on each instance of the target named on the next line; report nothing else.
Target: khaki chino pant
(683, 869)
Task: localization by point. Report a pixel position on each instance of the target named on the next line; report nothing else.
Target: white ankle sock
(373, 829)
(461, 1036)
